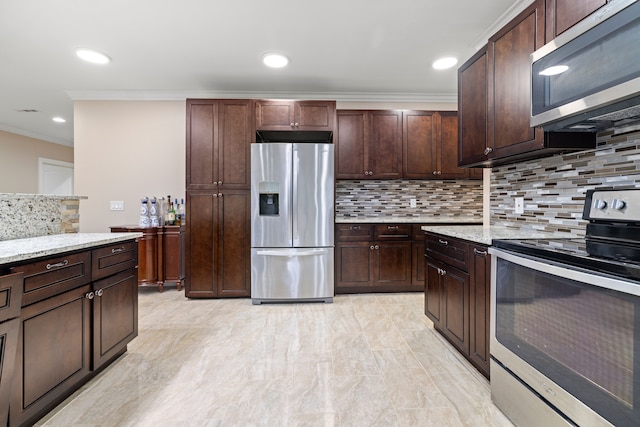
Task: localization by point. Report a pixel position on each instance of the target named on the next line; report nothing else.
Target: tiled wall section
(31, 215)
(375, 198)
(554, 187)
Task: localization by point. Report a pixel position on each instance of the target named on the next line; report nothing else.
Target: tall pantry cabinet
(218, 237)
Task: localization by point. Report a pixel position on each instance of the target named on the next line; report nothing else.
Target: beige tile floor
(365, 360)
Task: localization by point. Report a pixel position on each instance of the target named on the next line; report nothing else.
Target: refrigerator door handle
(292, 253)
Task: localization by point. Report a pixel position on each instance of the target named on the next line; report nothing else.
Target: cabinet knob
(487, 150)
(292, 124)
(215, 196)
(435, 172)
(99, 292)
(297, 124)
(371, 247)
(89, 295)
(219, 182)
(439, 173)
(219, 194)
(377, 247)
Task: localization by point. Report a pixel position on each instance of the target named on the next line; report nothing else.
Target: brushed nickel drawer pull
(477, 252)
(117, 250)
(354, 227)
(57, 264)
(392, 227)
(443, 242)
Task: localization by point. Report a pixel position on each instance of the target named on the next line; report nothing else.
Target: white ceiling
(349, 50)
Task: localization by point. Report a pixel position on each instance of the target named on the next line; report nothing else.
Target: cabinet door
(315, 115)
(433, 292)
(385, 145)
(479, 296)
(472, 109)
(510, 83)
(447, 146)
(233, 156)
(455, 324)
(115, 315)
(148, 257)
(351, 138)
(564, 14)
(233, 243)
(54, 353)
(275, 115)
(200, 249)
(353, 265)
(8, 349)
(201, 142)
(419, 149)
(393, 261)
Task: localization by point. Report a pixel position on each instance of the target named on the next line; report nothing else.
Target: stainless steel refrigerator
(292, 222)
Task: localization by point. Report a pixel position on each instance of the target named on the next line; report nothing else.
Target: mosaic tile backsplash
(554, 187)
(33, 215)
(391, 198)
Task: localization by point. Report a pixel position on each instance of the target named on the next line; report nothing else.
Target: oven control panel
(612, 205)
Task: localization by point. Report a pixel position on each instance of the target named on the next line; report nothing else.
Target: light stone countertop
(485, 235)
(34, 247)
(426, 219)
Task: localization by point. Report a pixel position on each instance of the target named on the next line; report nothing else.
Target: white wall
(19, 161)
(125, 150)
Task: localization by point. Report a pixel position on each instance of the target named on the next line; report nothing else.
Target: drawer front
(10, 296)
(113, 259)
(392, 232)
(52, 276)
(354, 232)
(448, 250)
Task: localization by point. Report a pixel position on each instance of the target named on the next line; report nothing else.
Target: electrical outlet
(519, 205)
(117, 205)
(413, 203)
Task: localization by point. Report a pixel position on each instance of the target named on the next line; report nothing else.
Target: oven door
(571, 335)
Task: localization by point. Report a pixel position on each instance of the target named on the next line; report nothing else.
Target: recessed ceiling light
(59, 120)
(444, 63)
(275, 60)
(552, 71)
(93, 56)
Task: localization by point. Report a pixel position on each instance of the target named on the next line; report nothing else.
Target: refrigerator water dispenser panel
(269, 198)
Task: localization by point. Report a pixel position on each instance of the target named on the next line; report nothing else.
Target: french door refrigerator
(292, 222)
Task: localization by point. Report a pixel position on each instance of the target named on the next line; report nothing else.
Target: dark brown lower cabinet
(115, 315)
(67, 335)
(375, 258)
(54, 353)
(448, 298)
(457, 297)
(218, 244)
(10, 303)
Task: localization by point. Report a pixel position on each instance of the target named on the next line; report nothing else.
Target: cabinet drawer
(10, 296)
(52, 276)
(354, 232)
(392, 232)
(113, 259)
(448, 250)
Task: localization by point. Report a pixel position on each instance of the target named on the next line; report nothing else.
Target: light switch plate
(116, 205)
(413, 203)
(519, 206)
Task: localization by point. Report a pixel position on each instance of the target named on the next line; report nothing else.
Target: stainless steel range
(565, 321)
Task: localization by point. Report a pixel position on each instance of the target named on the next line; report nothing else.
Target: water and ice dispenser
(269, 198)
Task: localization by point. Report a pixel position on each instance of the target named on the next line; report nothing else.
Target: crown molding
(35, 135)
(142, 95)
(503, 20)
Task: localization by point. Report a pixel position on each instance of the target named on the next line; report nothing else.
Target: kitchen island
(75, 308)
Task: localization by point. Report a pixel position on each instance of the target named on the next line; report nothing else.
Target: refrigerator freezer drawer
(291, 274)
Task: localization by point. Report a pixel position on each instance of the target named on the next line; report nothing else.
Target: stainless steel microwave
(588, 78)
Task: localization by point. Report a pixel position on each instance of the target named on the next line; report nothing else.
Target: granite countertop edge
(17, 250)
(408, 220)
(486, 235)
